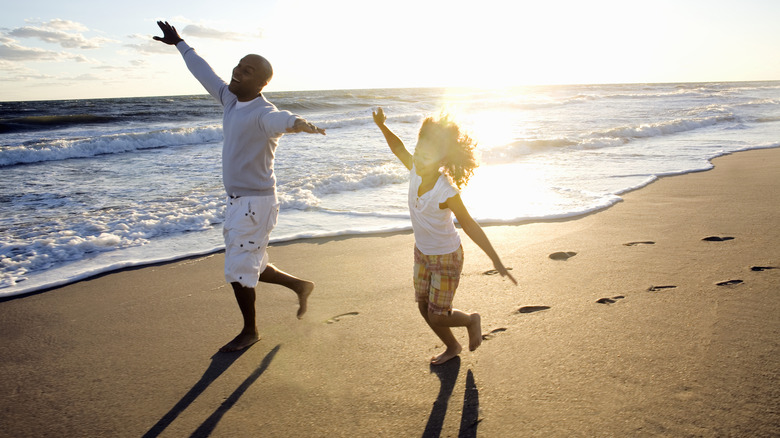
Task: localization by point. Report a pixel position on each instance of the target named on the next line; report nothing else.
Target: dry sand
(132, 353)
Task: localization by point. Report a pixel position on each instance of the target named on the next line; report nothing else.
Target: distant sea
(90, 186)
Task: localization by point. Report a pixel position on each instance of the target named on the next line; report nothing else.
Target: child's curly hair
(460, 155)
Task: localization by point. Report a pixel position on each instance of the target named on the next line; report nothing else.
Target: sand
(630, 336)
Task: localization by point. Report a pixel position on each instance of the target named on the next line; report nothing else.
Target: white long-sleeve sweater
(251, 133)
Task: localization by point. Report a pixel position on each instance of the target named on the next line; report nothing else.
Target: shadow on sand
(448, 375)
(220, 362)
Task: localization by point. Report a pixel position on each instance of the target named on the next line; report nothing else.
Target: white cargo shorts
(247, 230)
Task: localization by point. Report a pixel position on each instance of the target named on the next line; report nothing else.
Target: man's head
(250, 76)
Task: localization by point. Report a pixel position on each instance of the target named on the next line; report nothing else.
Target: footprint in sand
(645, 242)
(610, 300)
(337, 318)
(532, 309)
(562, 255)
(657, 288)
(494, 272)
(493, 333)
(728, 283)
(717, 239)
(762, 268)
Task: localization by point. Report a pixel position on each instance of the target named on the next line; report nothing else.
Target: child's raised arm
(475, 232)
(395, 143)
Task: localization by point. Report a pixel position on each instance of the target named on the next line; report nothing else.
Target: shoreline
(46, 286)
(643, 332)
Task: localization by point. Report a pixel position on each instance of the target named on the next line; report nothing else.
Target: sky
(51, 50)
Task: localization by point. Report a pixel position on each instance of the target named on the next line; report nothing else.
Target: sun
(507, 185)
(508, 192)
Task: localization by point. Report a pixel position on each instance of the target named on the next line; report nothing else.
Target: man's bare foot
(475, 332)
(243, 340)
(303, 291)
(448, 354)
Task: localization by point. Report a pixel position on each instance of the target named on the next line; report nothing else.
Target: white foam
(66, 148)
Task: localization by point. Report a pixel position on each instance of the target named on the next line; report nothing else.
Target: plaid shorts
(435, 279)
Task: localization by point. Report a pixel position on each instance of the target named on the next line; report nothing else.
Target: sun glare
(491, 129)
(495, 192)
(497, 188)
(489, 126)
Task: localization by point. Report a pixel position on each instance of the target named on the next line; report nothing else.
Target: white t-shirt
(434, 230)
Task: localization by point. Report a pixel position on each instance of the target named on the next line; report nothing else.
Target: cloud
(86, 77)
(147, 45)
(11, 51)
(207, 32)
(60, 24)
(12, 72)
(56, 32)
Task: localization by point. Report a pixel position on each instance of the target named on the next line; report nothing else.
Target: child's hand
(504, 272)
(379, 116)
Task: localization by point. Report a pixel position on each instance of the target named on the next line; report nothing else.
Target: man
(252, 127)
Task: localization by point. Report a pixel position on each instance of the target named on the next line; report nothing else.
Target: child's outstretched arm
(395, 143)
(475, 232)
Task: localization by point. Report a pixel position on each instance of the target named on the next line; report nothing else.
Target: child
(443, 155)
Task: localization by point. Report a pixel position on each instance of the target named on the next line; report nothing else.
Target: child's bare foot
(243, 340)
(448, 354)
(303, 291)
(475, 332)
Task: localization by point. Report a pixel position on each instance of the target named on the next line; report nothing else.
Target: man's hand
(170, 36)
(302, 125)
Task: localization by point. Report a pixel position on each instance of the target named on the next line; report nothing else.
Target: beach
(648, 330)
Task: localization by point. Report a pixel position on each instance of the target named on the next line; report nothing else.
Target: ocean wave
(518, 148)
(32, 123)
(602, 138)
(66, 148)
(360, 179)
(369, 214)
(104, 231)
(308, 193)
(662, 128)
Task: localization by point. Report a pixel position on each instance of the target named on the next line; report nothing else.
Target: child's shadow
(448, 375)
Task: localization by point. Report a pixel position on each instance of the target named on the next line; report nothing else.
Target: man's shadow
(220, 362)
(448, 375)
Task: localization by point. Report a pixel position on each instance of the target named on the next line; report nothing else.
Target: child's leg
(435, 296)
(458, 318)
(444, 333)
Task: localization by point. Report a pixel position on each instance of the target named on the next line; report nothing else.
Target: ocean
(91, 186)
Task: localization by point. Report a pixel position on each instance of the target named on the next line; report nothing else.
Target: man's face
(248, 78)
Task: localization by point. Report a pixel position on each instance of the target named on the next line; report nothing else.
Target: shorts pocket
(436, 280)
(273, 218)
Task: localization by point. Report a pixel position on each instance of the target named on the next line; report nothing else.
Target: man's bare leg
(245, 297)
(301, 287)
